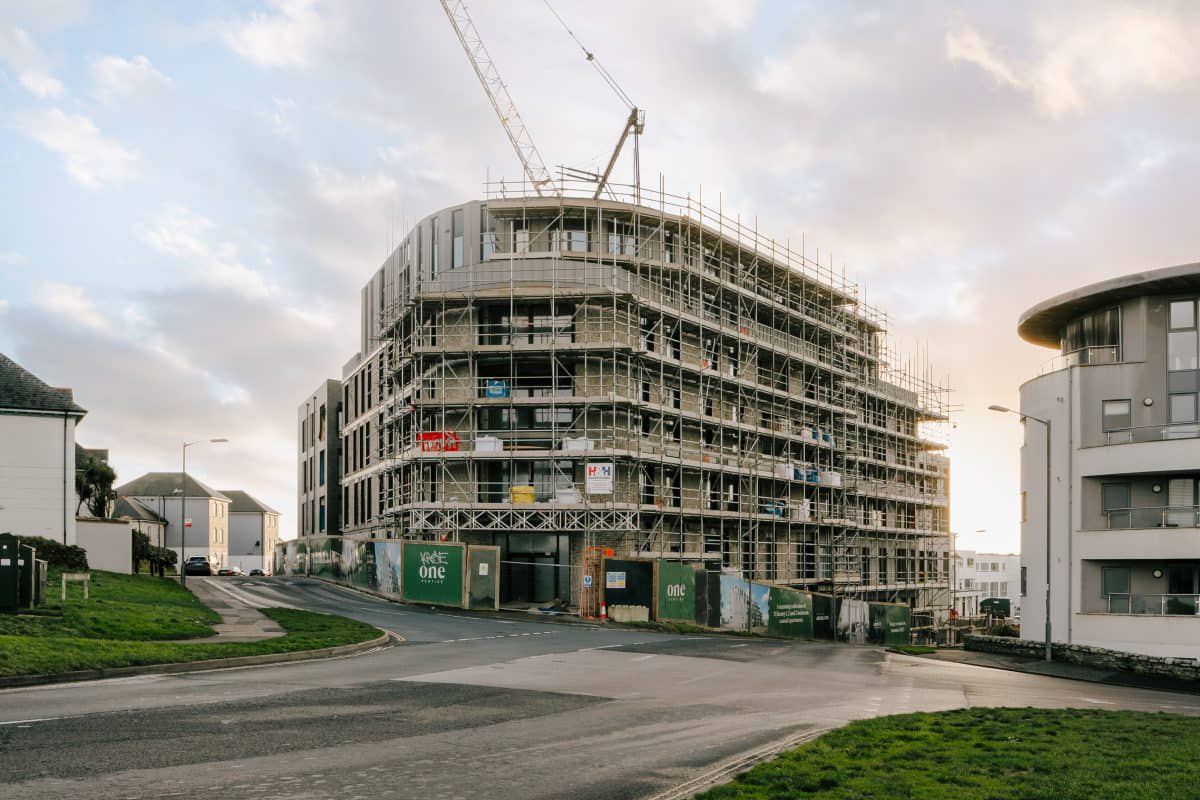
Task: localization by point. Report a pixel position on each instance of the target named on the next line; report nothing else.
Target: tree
(141, 551)
(94, 481)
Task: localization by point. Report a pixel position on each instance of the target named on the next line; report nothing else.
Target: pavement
(484, 706)
(240, 621)
(1061, 669)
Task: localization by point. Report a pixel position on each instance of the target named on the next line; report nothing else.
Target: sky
(193, 193)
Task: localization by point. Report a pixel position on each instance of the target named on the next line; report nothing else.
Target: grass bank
(984, 753)
(128, 620)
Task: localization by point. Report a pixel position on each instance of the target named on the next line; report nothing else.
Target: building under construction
(563, 376)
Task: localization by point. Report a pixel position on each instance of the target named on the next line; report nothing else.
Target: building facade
(561, 376)
(318, 476)
(1121, 403)
(203, 521)
(978, 576)
(253, 531)
(37, 458)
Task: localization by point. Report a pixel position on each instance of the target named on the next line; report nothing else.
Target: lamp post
(1046, 422)
(183, 526)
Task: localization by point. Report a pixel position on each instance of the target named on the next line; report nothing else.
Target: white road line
(27, 721)
(644, 658)
(1099, 702)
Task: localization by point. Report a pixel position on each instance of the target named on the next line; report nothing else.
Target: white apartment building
(1118, 408)
(37, 459)
(253, 531)
(978, 576)
(205, 523)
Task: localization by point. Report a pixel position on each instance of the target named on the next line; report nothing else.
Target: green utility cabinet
(10, 594)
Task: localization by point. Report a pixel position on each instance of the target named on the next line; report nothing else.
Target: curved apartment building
(569, 378)
(1121, 400)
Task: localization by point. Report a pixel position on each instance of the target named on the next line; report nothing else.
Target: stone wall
(1099, 657)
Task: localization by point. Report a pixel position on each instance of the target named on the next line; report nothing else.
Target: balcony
(1155, 605)
(1087, 356)
(1152, 433)
(1155, 517)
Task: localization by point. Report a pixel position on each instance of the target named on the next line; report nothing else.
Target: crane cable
(604, 74)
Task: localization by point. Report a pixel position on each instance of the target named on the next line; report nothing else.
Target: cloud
(72, 303)
(12, 258)
(288, 38)
(89, 158)
(967, 45)
(42, 85)
(182, 233)
(117, 78)
(24, 57)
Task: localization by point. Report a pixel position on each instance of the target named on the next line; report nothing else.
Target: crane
(510, 118)
(497, 92)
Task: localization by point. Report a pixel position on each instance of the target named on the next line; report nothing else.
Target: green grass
(913, 649)
(988, 754)
(128, 620)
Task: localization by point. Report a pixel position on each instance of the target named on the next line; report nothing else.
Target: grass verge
(983, 753)
(127, 619)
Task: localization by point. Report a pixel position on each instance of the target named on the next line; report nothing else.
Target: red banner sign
(439, 442)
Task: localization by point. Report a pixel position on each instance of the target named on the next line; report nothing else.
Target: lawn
(988, 754)
(129, 619)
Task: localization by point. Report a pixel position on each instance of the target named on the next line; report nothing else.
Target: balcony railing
(1105, 354)
(1157, 605)
(1153, 433)
(1155, 517)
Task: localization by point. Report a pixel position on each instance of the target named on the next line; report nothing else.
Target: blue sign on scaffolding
(496, 387)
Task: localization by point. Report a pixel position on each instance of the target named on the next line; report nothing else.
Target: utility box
(10, 596)
(26, 575)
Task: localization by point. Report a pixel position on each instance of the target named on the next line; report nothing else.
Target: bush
(1005, 629)
(70, 557)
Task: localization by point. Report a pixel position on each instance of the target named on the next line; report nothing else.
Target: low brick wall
(1099, 657)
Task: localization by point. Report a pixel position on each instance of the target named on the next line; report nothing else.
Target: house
(37, 461)
(142, 518)
(194, 509)
(253, 531)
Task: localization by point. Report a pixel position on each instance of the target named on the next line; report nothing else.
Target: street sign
(187, 523)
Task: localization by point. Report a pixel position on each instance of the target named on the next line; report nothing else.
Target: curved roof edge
(1043, 323)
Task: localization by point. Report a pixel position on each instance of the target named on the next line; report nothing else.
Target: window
(1114, 500)
(456, 234)
(433, 247)
(1183, 408)
(1024, 580)
(323, 425)
(1183, 314)
(1116, 414)
(322, 468)
(1024, 507)
(1114, 580)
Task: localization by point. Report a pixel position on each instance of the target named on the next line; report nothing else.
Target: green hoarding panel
(896, 625)
(676, 591)
(433, 573)
(791, 613)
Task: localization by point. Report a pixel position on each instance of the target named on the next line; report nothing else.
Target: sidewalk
(1060, 669)
(240, 622)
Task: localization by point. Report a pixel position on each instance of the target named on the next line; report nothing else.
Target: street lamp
(183, 510)
(1046, 422)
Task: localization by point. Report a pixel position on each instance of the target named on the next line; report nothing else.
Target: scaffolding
(647, 374)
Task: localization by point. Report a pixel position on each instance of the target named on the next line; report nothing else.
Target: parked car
(197, 565)
(227, 571)
(256, 572)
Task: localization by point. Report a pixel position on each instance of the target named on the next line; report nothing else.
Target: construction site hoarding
(676, 592)
(433, 573)
(483, 577)
(628, 582)
(890, 624)
(791, 613)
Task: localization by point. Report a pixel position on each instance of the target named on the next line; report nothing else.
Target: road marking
(1100, 702)
(643, 658)
(739, 645)
(27, 721)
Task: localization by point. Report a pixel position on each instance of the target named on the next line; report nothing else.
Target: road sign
(587, 581)
(187, 523)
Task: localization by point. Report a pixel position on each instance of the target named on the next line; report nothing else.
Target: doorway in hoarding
(534, 568)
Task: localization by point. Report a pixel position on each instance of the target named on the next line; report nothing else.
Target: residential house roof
(21, 390)
(241, 501)
(164, 484)
(133, 509)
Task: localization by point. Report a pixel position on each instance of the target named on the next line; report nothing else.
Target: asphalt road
(478, 706)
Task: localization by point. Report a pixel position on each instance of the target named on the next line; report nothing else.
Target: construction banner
(791, 613)
(676, 593)
(433, 573)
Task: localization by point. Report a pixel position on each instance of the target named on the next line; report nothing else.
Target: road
(478, 706)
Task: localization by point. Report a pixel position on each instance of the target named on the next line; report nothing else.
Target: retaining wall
(1084, 655)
